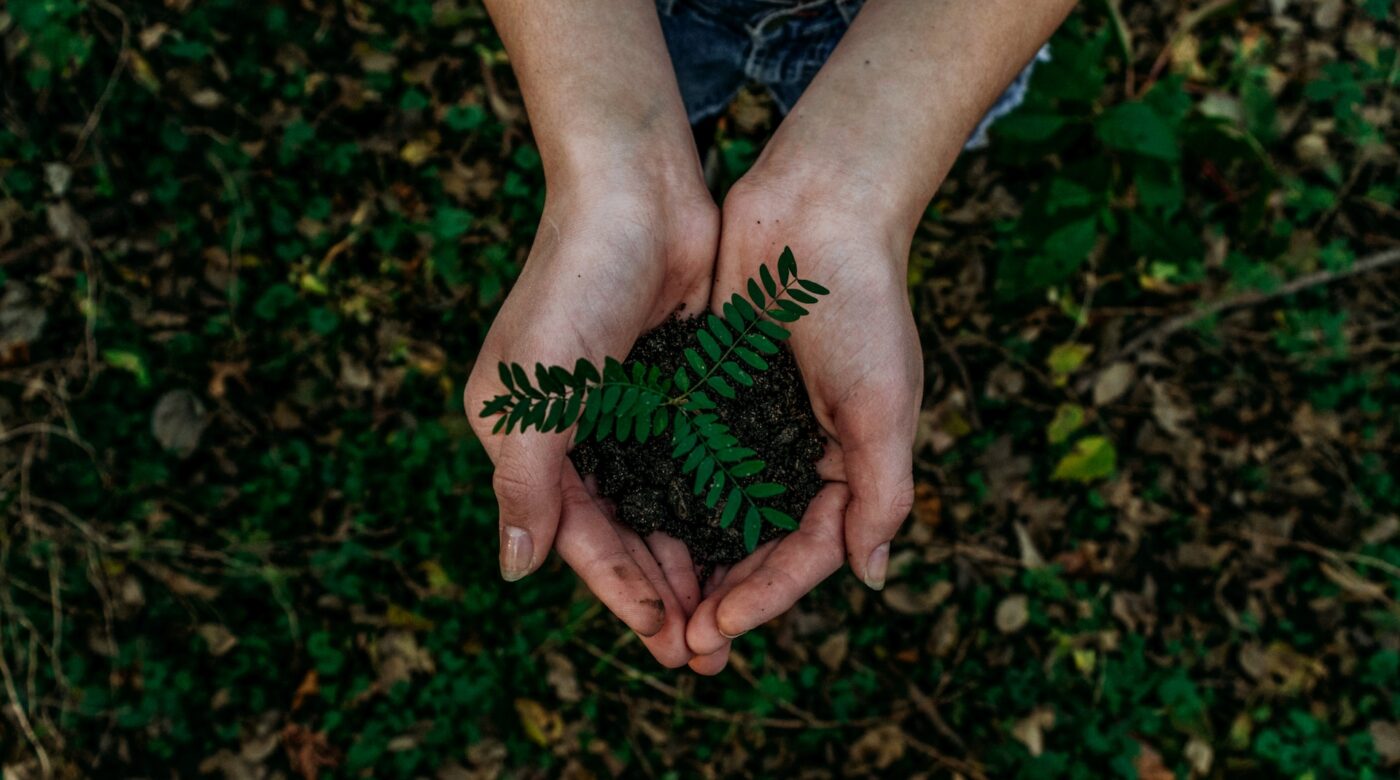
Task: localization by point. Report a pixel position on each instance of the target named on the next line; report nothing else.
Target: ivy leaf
(1068, 419)
(1093, 458)
(1136, 127)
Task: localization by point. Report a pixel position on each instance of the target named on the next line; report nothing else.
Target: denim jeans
(719, 45)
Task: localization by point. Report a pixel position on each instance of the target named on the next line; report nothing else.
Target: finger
(715, 580)
(667, 646)
(879, 464)
(801, 560)
(674, 558)
(712, 664)
(529, 468)
(832, 466)
(702, 632)
(592, 547)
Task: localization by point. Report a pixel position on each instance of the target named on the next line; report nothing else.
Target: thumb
(880, 473)
(529, 469)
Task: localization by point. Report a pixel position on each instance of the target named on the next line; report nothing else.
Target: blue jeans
(718, 45)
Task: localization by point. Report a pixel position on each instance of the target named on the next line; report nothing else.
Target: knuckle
(512, 490)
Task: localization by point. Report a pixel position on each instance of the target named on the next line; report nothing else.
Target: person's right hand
(612, 259)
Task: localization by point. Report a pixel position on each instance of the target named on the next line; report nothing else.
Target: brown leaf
(928, 506)
(832, 651)
(1030, 730)
(178, 421)
(308, 752)
(562, 677)
(878, 748)
(1385, 736)
(1149, 765)
(1112, 383)
(1013, 613)
(218, 637)
(907, 599)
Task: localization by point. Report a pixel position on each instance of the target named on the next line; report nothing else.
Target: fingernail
(517, 552)
(731, 637)
(875, 566)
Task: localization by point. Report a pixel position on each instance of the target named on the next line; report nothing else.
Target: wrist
(830, 194)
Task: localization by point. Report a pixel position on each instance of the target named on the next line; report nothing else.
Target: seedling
(641, 403)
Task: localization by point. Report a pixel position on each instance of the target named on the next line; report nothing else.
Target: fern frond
(637, 402)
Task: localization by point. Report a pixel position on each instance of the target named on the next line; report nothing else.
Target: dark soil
(773, 418)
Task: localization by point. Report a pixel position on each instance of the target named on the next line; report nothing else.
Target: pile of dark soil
(773, 417)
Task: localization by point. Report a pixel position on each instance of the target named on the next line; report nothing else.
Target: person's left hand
(859, 355)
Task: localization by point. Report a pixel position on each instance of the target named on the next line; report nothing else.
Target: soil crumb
(773, 418)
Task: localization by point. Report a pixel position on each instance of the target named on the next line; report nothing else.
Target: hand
(859, 355)
(611, 261)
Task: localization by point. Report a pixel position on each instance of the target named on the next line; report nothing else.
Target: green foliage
(640, 403)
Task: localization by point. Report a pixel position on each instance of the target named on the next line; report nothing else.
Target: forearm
(888, 114)
(598, 86)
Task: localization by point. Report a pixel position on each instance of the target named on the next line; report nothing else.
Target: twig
(96, 115)
(714, 713)
(23, 718)
(1155, 335)
(1189, 23)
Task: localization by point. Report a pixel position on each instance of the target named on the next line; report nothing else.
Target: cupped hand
(859, 355)
(609, 263)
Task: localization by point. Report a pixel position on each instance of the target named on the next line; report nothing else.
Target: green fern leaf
(775, 332)
(768, 283)
(732, 505)
(720, 386)
(764, 490)
(611, 394)
(745, 309)
(696, 362)
(702, 474)
(585, 373)
(556, 412)
(802, 297)
(756, 295)
(749, 356)
(738, 374)
(762, 343)
(812, 287)
(719, 331)
(605, 425)
(707, 342)
(506, 378)
(753, 523)
(522, 382)
(716, 488)
(496, 405)
(500, 424)
(700, 401)
(659, 421)
(787, 265)
(780, 519)
(748, 468)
